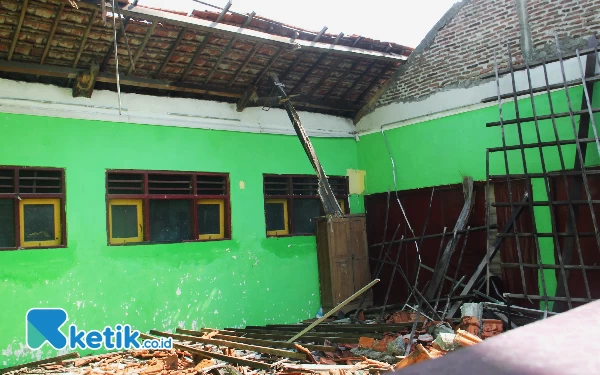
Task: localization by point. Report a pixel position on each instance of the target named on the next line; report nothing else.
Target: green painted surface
(442, 151)
(247, 280)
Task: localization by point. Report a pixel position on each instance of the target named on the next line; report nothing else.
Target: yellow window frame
(286, 229)
(140, 220)
(57, 222)
(221, 234)
(342, 203)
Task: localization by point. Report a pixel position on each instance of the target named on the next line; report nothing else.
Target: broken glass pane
(209, 218)
(305, 211)
(38, 222)
(170, 220)
(124, 221)
(275, 216)
(7, 223)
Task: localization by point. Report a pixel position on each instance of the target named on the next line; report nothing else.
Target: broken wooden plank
(283, 336)
(222, 357)
(59, 358)
(232, 344)
(253, 341)
(321, 335)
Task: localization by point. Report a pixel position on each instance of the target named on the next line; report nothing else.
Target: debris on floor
(342, 346)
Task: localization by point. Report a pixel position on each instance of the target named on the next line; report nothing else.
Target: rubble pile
(359, 344)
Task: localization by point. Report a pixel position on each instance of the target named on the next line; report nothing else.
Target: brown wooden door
(341, 256)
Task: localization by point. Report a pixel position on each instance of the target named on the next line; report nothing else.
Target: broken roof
(206, 55)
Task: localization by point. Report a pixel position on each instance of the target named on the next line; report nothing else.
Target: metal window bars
(542, 173)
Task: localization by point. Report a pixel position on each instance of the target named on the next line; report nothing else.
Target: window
(166, 207)
(292, 203)
(32, 207)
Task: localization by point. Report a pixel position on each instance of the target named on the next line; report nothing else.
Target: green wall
(442, 151)
(247, 280)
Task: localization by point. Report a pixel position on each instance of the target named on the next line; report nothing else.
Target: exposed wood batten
(231, 31)
(224, 12)
(15, 39)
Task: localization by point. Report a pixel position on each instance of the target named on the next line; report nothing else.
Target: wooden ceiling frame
(142, 46)
(15, 39)
(61, 9)
(195, 57)
(85, 36)
(171, 52)
(310, 58)
(333, 88)
(378, 77)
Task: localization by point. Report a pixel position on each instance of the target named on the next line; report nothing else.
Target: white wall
(47, 100)
(458, 100)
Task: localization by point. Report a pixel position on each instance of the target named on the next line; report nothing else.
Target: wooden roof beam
(320, 34)
(339, 81)
(244, 101)
(171, 52)
(227, 48)
(373, 83)
(15, 39)
(218, 62)
(142, 46)
(245, 63)
(61, 9)
(360, 78)
(67, 72)
(85, 36)
(152, 15)
(197, 54)
(111, 49)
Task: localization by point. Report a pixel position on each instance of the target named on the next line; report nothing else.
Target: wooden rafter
(339, 81)
(68, 72)
(197, 54)
(292, 66)
(245, 63)
(61, 8)
(193, 23)
(307, 73)
(110, 52)
(85, 36)
(224, 12)
(228, 47)
(360, 78)
(13, 45)
(373, 83)
(141, 47)
(171, 52)
(243, 102)
(220, 59)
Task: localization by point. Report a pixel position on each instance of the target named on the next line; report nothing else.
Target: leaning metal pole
(330, 204)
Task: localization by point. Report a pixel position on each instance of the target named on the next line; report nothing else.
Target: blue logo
(43, 325)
